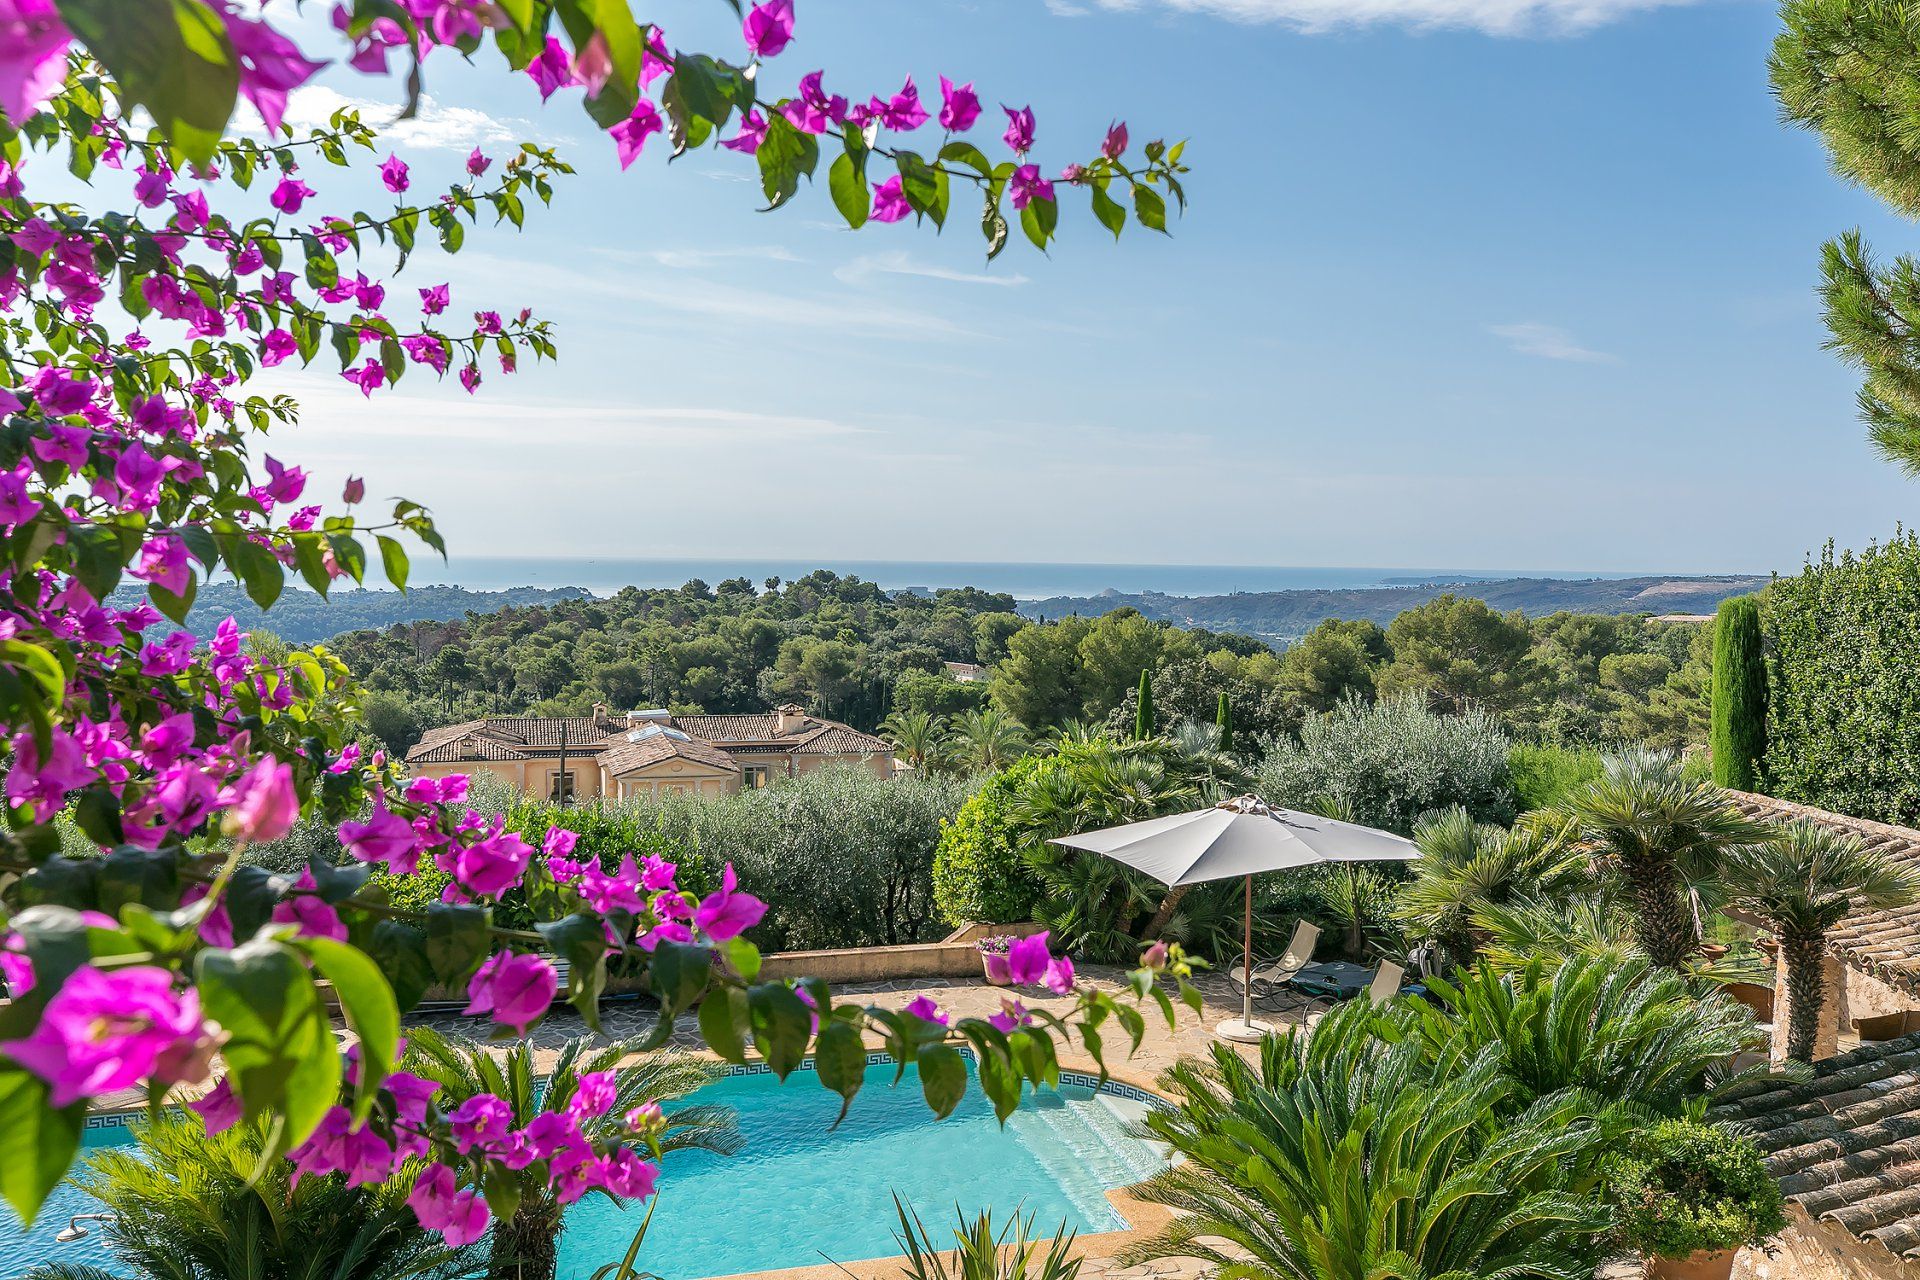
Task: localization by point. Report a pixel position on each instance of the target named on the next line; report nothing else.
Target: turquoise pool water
(802, 1192)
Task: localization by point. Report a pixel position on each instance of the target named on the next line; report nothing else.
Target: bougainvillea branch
(132, 456)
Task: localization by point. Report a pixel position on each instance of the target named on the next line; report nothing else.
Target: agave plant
(187, 1205)
(527, 1246)
(1345, 1154)
(1803, 884)
(1628, 1033)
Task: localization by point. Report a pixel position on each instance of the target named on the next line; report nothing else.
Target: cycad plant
(1345, 1154)
(1802, 884)
(187, 1205)
(1661, 831)
(527, 1247)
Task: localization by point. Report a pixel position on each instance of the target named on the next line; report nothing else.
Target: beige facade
(647, 754)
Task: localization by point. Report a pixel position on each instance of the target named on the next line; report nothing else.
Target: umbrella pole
(1246, 959)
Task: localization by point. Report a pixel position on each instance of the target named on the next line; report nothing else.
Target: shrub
(1683, 1187)
(1739, 704)
(1542, 777)
(1388, 762)
(978, 871)
(1843, 662)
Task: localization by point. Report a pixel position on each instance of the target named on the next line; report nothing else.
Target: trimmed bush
(1843, 663)
(1386, 763)
(1738, 736)
(978, 871)
(1682, 1187)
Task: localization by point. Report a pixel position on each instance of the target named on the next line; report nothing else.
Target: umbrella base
(1241, 1031)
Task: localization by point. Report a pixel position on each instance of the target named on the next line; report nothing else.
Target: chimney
(600, 711)
(789, 718)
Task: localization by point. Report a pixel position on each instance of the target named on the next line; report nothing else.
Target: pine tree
(1739, 729)
(1143, 713)
(1223, 721)
(1846, 70)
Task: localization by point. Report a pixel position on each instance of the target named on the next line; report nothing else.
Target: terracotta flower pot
(1717, 1265)
(987, 969)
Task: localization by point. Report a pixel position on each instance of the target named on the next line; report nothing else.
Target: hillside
(1283, 616)
(302, 617)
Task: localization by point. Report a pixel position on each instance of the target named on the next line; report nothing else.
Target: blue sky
(1473, 283)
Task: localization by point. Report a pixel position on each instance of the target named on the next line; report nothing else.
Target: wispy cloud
(436, 126)
(703, 259)
(1549, 342)
(898, 262)
(1491, 17)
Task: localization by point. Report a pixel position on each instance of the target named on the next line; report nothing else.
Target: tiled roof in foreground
(1885, 944)
(1846, 1144)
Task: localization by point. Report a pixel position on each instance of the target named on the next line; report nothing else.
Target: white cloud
(701, 259)
(897, 262)
(1491, 17)
(436, 126)
(1549, 342)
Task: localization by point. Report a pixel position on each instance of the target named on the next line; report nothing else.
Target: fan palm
(186, 1205)
(1346, 1155)
(527, 1246)
(919, 740)
(1661, 831)
(988, 739)
(1467, 866)
(1534, 928)
(1802, 884)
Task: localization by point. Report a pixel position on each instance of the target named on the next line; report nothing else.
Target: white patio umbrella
(1241, 837)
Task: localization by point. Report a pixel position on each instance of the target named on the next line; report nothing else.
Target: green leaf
(993, 225)
(459, 937)
(393, 559)
(847, 181)
(98, 555)
(723, 1015)
(56, 942)
(1038, 220)
(280, 1051)
(1149, 207)
(943, 1077)
(781, 1026)
(171, 56)
(679, 973)
(349, 555)
(613, 20)
(582, 941)
(840, 1059)
(400, 949)
(256, 567)
(371, 1011)
(960, 152)
(37, 1143)
(924, 186)
(785, 154)
(1108, 210)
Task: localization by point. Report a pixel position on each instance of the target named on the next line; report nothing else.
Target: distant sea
(604, 576)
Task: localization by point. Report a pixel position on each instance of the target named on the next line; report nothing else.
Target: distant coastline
(1038, 581)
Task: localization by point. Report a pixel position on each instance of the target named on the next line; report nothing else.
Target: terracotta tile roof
(1885, 944)
(839, 740)
(624, 757)
(764, 727)
(1846, 1144)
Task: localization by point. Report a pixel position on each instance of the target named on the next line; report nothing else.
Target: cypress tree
(1223, 721)
(1738, 736)
(1143, 713)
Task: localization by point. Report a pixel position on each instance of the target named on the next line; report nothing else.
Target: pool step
(1096, 1138)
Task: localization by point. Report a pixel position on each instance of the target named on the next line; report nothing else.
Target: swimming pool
(801, 1192)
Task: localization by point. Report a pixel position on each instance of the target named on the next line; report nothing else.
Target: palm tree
(919, 740)
(1466, 866)
(988, 739)
(527, 1247)
(187, 1205)
(1802, 884)
(1346, 1155)
(1662, 833)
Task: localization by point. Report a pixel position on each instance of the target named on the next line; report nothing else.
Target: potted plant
(1690, 1196)
(993, 945)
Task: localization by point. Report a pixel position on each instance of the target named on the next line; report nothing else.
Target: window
(755, 776)
(560, 787)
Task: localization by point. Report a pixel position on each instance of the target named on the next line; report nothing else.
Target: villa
(648, 753)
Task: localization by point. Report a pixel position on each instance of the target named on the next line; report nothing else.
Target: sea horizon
(1038, 580)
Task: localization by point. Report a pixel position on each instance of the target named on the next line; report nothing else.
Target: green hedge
(978, 873)
(1843, 663)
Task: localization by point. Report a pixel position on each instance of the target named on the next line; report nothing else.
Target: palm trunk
(1665, 924)
(528, 1246)
(1805, 959)
(1164, 913)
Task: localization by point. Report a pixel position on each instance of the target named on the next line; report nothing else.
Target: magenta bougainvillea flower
(33, 55)
(515, 988)
(959, 105)
(902, 112)
(1026, 185)
(1115, 144)
(435, 298)
(106, 1031)
(768, 28)
(753, 131)
(1020, 127)
(631, 134)
(890, 201)
(726, 913)
(393, 172)
(264, 805)
(923, 1008)
(290, 195)
(478, 163)
(460, 1216)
